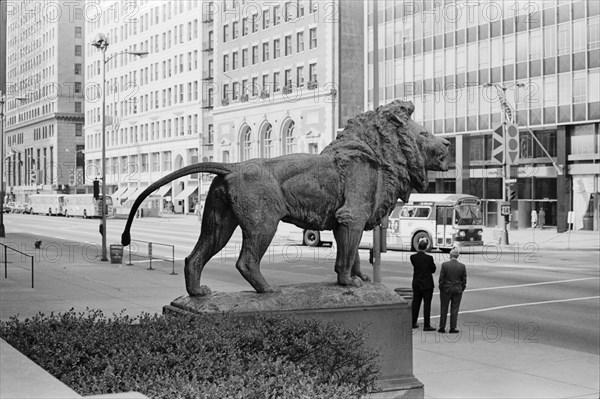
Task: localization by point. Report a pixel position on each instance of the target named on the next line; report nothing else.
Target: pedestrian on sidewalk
(422, 284)
(542, 218)
(534, 218)
(453, 281)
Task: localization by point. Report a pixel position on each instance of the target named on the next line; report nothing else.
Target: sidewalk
(70, 275)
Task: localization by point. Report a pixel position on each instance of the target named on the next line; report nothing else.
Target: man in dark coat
(453, 281)
(422, 284)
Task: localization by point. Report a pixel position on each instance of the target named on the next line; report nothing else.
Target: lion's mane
(388, 145)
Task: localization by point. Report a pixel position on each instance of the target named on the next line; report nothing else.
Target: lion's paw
(203, 290)
(363, 277)
(271, 289)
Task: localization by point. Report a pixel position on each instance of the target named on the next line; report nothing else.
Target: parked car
(9, 206)
(21, 208)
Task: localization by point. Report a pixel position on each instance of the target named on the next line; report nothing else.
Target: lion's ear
(407, 108)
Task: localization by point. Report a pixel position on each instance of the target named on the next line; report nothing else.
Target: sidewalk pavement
(70, 275)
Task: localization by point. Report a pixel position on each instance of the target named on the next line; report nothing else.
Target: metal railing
(6, 248)
(150, 255)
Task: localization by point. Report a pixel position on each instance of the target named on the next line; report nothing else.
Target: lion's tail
(204, 167)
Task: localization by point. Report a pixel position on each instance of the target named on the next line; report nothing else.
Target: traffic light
(512, 144)
(96, 189)
(33, 178)
(512, 195)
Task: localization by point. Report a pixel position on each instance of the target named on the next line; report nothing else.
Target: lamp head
(100, 41)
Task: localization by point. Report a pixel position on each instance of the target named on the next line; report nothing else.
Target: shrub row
(208, 356)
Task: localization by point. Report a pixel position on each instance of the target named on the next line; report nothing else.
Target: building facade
(287, 76)
(154, 118)
(44, 66)
(544, 55)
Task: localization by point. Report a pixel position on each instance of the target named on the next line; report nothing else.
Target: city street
(528, 295)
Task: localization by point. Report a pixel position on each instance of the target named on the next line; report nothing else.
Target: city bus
(445, 220)
(47, 204)
(85, 205)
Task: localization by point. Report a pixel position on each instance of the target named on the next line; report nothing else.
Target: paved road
(524, 294)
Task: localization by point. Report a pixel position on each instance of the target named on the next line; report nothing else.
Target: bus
(47, 204)
(85, 205)
(445, 220)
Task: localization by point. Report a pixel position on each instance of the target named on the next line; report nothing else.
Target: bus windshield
(468, 214)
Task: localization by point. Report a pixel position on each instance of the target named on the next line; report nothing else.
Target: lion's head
(402, 148)
(433, 149)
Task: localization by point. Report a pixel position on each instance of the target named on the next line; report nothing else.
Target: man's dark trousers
(445, 298)
(418, 296)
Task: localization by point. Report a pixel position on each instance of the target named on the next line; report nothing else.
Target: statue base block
(386, 315)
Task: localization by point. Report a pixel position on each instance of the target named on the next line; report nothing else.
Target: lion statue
(380, 156)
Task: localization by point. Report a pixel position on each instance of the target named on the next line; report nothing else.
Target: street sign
(510, 181)
(498, 145)
(512, 144)
(505, 210)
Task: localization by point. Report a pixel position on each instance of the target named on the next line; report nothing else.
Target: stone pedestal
(386, 315)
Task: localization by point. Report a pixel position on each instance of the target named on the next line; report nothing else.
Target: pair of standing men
(452, 283)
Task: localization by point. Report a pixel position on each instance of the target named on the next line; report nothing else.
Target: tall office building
(44, 65)
(545, 55)
(153, 103)
(287, 75)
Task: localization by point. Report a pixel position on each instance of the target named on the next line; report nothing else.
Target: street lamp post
(101, 43)
(2, 194)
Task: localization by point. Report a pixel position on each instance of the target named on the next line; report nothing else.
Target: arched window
(267, 141)
(246, 144)
(289, 140)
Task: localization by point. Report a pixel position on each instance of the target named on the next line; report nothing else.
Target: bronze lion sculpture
(357, 179)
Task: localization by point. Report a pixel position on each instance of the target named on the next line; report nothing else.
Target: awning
(161, 192)
(119, 193)
(186, 193)
(134, 193)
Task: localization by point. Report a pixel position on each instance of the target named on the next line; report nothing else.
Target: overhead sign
(498, 145)
(512, 144)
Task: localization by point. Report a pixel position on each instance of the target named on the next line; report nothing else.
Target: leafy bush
(208, 356)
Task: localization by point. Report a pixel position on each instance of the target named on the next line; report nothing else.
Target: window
(564, 39)
(78, 129)
(289, 139)
(579, 36)
(77, 87)
(235, 60)
(313, 38)
(254, 23)
(244, 57)
(312, 72)
(246, 150)
(288, 45)
(254, 55)
(276, 49)
(409, 211)
(276, 82)
(582, 139)
(244, 26)
(265, 19)
(225, 91)
(594, 33)
(288, 78)
(234, 33)
(579, 87)
(77, 50)
(300, 41)
(77, 69)
(77, 106)
(267, 141)
(300, 76)
(78, 32)
(255, 86)
(225, 32)
(166, 161)
(236, 91)
(265, 52)
(225, 62)
(276, 15)
(265, 83)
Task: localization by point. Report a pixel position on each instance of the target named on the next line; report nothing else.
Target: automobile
(9, 206)
(21, 208)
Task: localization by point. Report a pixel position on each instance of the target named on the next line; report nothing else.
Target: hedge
(207, 356)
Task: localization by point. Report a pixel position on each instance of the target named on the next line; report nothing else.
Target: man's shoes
(415, 326)
(441, 330)
(454, 331)
(428, 328)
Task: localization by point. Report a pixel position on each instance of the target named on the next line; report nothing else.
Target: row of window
(266, 141)
(236, 59)
(270, 84)
(290, 12)
(153, 131)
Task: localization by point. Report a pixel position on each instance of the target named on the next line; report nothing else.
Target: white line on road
(532, 284)
(516, 305)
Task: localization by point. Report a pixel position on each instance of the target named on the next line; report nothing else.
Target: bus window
(415, 212)
(468, 214)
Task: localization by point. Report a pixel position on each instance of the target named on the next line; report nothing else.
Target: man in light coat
(453, 281)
